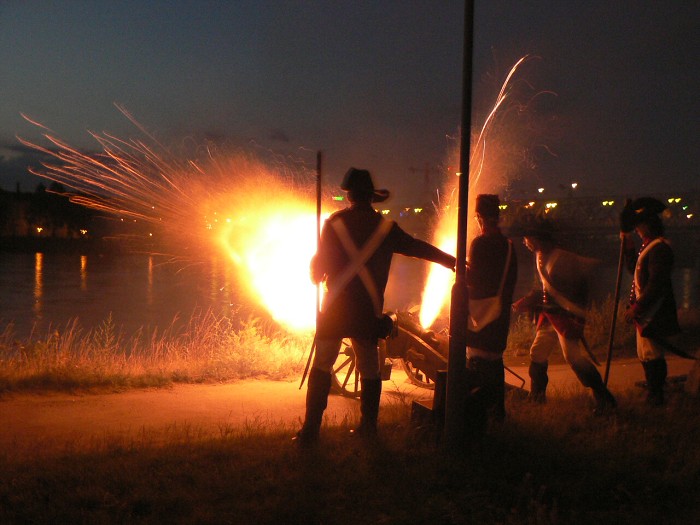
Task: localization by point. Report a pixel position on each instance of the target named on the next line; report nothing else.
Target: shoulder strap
(358, 259)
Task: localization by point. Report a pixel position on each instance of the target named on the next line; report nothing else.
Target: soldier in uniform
(652, 305)
(491, 275)
(562, 303)
(353, 260)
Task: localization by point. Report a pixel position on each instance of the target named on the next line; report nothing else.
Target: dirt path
(33, 421)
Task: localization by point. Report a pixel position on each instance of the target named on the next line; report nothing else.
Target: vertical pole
(319, 158)
(616, 303)
(319, 162)
(455, 402)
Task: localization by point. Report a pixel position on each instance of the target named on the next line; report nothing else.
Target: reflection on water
(149, 289)
(48, 290)
(38, 283)
(83, 272)
(687, 287)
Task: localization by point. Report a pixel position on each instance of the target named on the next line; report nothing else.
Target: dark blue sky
(372, 84)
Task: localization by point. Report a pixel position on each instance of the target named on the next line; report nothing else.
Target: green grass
(551, 464)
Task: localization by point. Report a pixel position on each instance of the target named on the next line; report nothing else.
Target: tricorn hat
(360, 182)
(638, 211)
(535, 227)
(487, 205)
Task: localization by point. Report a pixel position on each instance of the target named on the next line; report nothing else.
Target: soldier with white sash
(652, 305)
(353, 260)
(491, 276)
(562, 303)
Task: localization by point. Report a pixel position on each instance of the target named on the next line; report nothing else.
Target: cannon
(422, 354)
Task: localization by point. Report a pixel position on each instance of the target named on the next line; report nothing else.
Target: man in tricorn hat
(652, 303)
(562, 305)
(491, 276)
(353, 259)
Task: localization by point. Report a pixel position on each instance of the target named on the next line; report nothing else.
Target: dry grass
(210, 348)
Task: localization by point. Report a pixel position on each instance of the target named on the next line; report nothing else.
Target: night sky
(610, 99)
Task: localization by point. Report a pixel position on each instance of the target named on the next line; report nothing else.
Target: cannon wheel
(417, 377)
(345, 379)
(346, 376)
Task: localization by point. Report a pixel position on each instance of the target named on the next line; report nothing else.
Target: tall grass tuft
(209, 348)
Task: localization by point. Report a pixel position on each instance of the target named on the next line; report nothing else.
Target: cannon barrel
(422, 350)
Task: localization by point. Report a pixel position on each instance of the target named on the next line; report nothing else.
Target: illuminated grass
(210, 348)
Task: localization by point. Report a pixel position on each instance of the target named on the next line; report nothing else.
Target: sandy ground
(33, 421)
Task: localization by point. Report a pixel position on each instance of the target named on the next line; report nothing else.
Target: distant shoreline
(58, 245)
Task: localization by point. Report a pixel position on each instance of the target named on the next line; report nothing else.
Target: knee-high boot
(655, 372)
(590, 378)
(369, 407)
(316, 402)
(538, 381)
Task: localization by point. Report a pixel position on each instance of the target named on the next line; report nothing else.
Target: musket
(616, 303)
(589, 352)
(319, 159)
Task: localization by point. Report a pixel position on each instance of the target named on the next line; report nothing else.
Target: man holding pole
(353, 260)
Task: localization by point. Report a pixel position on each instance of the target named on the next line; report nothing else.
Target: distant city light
(551, 205)
(502, 206)
(417, 210)
(574, 185)
(608, 203)
(540, 190)
(386, 212)
(338, 198)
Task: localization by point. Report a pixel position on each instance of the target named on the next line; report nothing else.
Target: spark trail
(488, 173)
(259, 215)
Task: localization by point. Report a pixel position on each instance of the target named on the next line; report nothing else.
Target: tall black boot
(538, 381)
(316, 402)
(590, 378)
(655, 372)
(369, 407)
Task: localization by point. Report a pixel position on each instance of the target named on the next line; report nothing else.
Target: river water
(39, 291)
